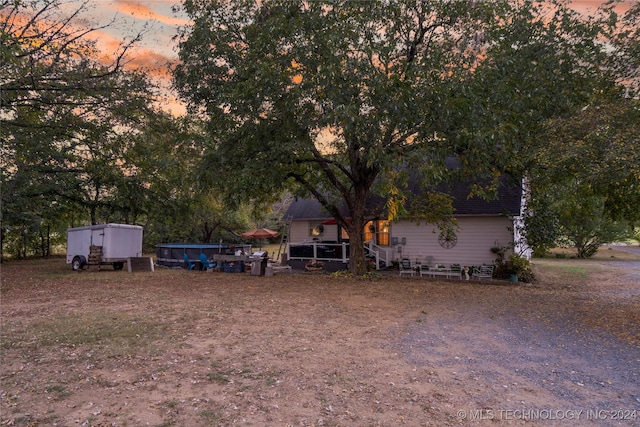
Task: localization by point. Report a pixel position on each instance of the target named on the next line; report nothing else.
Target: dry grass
(108, 334)
(175, 348)
(567, 271)
(608, 253)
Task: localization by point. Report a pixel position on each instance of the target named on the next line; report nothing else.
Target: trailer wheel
(118, 265)
(78, 262)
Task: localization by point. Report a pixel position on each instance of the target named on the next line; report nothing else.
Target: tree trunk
(42, 244)
(1, 240)
(357, 264)
(94, 221)
(355, 228)
(48, 240)
(207, 232)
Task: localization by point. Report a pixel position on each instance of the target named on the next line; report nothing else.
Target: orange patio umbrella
(260, 233)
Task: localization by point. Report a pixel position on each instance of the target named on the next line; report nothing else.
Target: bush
(516, 265)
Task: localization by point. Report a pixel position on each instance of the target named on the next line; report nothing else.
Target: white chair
(406, 267)
(483, 272)
(281, 266)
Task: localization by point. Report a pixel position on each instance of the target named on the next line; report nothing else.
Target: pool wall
(171, 254)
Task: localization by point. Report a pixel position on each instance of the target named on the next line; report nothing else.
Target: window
(316, 229)
(344, 236)
(383, 233)
(378, 231)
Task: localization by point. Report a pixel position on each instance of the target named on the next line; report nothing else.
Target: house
(481, 225)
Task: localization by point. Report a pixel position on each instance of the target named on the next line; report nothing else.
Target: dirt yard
(179, 348)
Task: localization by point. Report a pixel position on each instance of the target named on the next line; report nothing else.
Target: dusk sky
(161, 22)
(156, 17)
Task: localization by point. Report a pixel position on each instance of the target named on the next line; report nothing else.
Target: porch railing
(323, 251)
(380, 254)
(320, 251)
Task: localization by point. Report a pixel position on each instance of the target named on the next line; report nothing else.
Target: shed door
(97, 237)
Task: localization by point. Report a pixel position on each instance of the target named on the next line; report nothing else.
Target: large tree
(585, 178)
(599, 145)
(339, 100)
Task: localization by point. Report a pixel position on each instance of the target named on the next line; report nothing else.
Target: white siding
(476, 236)
(300, 232)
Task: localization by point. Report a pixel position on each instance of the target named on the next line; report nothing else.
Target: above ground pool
(172, 254)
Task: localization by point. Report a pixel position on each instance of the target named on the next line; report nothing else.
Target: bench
(444, 272)
(452, 272)
(482, 272)
(435, 271)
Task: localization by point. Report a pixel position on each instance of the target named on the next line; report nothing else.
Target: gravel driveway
(529, 348)
(516, 364)
(632, 268)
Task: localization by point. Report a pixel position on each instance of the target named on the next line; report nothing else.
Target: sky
(160, 21)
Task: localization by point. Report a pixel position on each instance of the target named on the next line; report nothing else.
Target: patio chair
(483, 272)
(206, 264)
(280, 266)
(406, 267)
(190, 265)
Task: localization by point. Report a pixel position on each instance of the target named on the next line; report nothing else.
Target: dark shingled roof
(306, 209)
(507, 203)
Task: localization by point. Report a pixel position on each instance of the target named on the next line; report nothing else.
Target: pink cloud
(140, 11)
(152, 59)
(590, 6)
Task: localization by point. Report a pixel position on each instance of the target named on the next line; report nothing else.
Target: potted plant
(500, 252)
(371, 264)
(515, 266)
(314, 265)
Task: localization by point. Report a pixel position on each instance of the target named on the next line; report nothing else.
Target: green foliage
(599, 146)
(433, 208)
(544, 62)
(65, 123)
(625, 58)
(341, 273)
(585, 176)
(369, 275)
(514, 265)
(585, 224)
(81, 142)
(541, 225)
(577, 217)
(517, 264)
